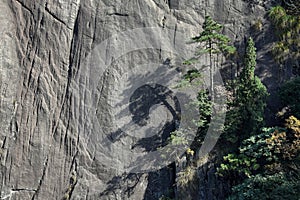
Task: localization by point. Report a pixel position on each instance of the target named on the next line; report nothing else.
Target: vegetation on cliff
(258, 162)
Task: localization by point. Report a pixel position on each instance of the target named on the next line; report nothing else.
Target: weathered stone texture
(48, 149)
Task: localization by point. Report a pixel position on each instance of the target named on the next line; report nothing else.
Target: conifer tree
(250, 95)
(211, 41)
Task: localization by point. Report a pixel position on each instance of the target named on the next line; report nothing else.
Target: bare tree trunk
(211, 74)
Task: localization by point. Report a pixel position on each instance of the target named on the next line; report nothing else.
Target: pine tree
(213, 42)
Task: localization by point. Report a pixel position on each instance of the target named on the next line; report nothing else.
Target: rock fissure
(25, 7)
(55, 17)
(36, 192)
(70, 66)
(119, 14)
(23, 189)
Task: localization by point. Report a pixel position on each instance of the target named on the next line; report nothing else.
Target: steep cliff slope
(64, 77)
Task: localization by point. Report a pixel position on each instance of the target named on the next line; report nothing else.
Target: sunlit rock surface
(67, 129)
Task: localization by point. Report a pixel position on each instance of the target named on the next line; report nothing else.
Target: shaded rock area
(58, 108)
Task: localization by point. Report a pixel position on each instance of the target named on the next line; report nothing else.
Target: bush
(253, 155)
(290, 95)
(275, 187)
(287, 28)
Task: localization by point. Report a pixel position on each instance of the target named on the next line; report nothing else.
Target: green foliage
(273, 149)
(215, 42)
(247, 74)
(178, 138)
(203, 102)
(268, 163)
(192, 75)
(212, 42)
(241, 164)
(246, 111)
(288, 144)
(205, 108)
(277, 187)
(251, 93)
(290, 95)
(253, 153)
(185, 176)
(204, 105)
(287, 28)
(191, 78)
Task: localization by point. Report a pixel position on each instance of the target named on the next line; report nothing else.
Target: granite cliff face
(53, 101)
